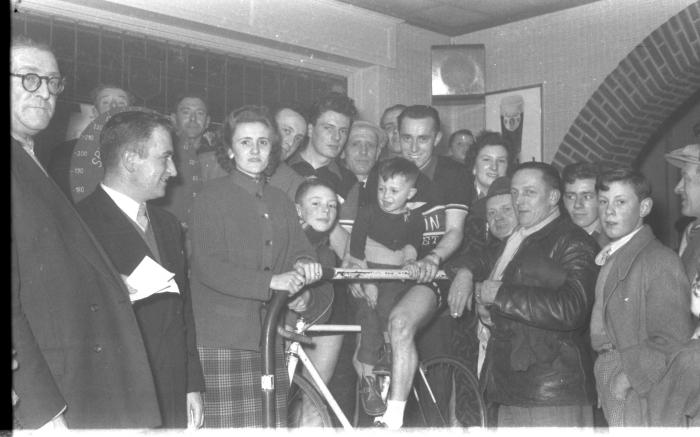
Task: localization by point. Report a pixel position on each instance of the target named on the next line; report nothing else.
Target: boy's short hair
(399, 167)
(627, 175)
(580, 170)
(308, 184)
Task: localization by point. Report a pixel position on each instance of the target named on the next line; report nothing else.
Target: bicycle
(435, 408)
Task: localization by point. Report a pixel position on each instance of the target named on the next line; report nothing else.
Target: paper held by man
(149, 278)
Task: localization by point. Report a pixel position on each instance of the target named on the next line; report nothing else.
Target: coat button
(266, 215)
(267, 269)
(268, 243)
(97, 348)
(94, 307)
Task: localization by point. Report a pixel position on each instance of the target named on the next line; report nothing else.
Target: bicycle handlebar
(338, 274)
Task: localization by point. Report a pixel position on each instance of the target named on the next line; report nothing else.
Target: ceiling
(457, 17)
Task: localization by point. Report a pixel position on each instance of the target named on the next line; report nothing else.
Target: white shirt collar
(617, 244)
(129, 206)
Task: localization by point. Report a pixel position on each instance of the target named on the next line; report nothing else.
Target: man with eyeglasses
(82, 362)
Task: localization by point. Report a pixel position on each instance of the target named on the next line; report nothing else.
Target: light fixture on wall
(458, 73)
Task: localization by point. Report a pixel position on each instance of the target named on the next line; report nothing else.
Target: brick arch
(638, 96)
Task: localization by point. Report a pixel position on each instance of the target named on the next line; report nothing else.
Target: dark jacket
(165, 319)
(539, 348)
(78, 343)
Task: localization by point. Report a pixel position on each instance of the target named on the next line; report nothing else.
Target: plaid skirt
(233, 397)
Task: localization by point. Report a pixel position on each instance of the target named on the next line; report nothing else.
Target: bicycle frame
(296, 353)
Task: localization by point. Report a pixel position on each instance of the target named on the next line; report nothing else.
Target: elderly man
(82, 358)
(444, 199)
(539, 296)
(292, 126)
(136, 149)
(104, 98)
(191, 119)
(390, 124)
(361, 153)
(581, 198)
(329, 125)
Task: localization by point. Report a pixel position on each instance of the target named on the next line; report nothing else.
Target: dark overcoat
(77, 340)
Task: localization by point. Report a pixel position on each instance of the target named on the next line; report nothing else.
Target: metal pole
(267, 380)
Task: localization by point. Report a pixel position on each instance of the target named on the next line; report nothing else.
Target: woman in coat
(247, 243)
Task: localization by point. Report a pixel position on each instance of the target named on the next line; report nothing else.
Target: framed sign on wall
(457, 72)
(517, 114)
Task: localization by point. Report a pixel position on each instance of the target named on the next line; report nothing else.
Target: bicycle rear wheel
(448, 397)
(305, 406)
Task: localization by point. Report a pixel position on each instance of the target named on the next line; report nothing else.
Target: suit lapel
(622, 262)
(64, 214)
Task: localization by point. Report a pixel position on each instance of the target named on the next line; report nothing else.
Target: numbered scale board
(86, 166)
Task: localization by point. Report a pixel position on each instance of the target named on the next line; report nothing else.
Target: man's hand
(426, 268)
(195, 410)
(371, 294)
(461, 292)
(301, 302)
(311, 271)
(486, 292)
(619, 386)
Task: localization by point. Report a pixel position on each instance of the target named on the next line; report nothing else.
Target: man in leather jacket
(539, 295)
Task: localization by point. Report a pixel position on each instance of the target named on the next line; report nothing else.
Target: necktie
(142, 218)
(602, 257)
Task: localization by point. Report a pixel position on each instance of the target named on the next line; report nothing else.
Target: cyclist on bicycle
(444, 190)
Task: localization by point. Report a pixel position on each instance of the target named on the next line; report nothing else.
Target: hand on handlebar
(290, 282)
(310, 271)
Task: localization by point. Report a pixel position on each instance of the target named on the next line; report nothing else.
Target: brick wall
(635, 99)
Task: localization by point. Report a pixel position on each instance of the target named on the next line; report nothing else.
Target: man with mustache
(83, 361)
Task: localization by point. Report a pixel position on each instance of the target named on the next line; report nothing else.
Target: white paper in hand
(149, 278)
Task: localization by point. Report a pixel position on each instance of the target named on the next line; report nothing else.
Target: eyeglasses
(32, 82)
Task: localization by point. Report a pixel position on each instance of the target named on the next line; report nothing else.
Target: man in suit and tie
(82, 359)
(137, 149)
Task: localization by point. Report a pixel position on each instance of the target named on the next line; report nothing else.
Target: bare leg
(412, 312)
(324, 354)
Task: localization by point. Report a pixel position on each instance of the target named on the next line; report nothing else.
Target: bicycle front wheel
(448, 395)
(305, 406)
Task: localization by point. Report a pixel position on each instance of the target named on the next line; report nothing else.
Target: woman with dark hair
(246, 243)
(487, 159)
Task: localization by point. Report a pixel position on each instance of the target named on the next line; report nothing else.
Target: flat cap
(499, 186)
(684, 155)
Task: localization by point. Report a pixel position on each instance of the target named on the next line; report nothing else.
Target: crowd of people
(141, 306)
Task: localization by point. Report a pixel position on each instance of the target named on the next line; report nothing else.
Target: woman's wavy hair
(247, 114)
